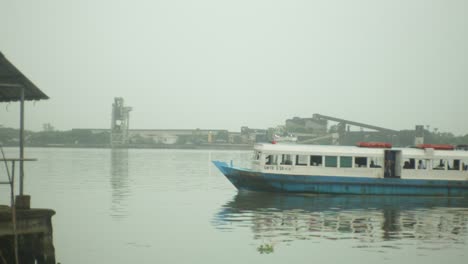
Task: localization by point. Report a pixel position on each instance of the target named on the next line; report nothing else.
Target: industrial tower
(120, 123)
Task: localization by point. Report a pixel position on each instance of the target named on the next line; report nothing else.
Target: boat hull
(244, 179)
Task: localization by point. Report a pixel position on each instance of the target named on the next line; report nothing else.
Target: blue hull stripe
(257, 181)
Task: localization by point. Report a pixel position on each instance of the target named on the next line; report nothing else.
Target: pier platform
(34, 236)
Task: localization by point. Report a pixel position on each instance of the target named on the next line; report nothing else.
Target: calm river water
(173, 206)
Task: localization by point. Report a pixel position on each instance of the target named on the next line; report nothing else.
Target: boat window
(422, 164)
(315, 160)
(360, 162)
(346, 162)
(276, 159)
(465, 165)
(286, 159)
(376, 162)
(438, 164)
(331, 161)
(409, 164)
(455, 165)
(257, 155)
(271, 160)
(301, 160)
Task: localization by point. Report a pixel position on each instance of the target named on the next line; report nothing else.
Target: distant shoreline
(143, 146)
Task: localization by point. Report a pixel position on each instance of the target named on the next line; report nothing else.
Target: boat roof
(353, 150)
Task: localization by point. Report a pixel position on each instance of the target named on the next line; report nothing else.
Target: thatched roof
(11, 80)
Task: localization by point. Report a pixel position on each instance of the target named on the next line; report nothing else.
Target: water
(173, 206)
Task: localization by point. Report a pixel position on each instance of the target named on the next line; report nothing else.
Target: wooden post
(21, 139)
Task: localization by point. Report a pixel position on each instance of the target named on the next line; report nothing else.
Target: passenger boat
(370, 169)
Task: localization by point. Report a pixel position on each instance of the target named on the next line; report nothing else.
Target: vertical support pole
(21, 139)
(12, 184)
(13, 212)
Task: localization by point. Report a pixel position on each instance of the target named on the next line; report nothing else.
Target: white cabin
(319, 160)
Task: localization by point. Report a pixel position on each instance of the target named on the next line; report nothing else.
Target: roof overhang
(12, 81)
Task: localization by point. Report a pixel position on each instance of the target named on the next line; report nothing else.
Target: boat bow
(222, 166)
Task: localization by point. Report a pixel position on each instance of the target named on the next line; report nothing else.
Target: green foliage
(265, 249)
(10, 136)
(69, 137)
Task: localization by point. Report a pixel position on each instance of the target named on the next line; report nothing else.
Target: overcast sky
(226, 64)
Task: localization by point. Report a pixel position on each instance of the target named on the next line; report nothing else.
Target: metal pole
(13, 212)
(21, 139)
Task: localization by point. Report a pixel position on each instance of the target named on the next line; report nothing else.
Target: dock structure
(25, 233)
(33, 233)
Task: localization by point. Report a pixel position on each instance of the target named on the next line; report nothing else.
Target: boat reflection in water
(278, 218)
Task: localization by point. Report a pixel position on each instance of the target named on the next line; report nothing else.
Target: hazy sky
(227, 64)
